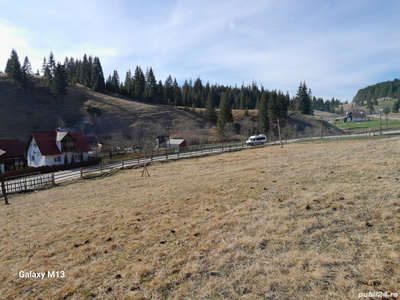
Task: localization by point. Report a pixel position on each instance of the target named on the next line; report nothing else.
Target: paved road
(75, 173)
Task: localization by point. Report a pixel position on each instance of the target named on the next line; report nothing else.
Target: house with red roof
(14, 154)
(57, 148)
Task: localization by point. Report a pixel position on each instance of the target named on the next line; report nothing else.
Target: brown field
(317, 221)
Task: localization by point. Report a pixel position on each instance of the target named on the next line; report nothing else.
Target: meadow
(316, 221)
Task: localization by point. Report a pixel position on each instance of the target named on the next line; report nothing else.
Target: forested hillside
(74, 94)
(390, 89)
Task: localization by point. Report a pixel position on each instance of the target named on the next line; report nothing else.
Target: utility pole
(279, 132)
(322, 129)
(3, 188)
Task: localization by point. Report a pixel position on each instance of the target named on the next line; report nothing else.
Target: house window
(59, 159)
(55, 159)
(33, 158)
(34, 144)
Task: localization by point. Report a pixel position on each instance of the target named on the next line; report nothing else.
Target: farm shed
(14, 155)
(176, 143)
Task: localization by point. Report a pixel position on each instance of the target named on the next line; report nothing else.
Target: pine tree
(210, 108)
(177, 94)
(395, 108)
(97, 76)
(52, 63)
(26, 73)
(169, 89)
(140, 82)
(115, 81)
(47, 78)
(44, 64)
(160, 93)
(370, 106)
(303, 98)
(263, 112)
(13, 67)
(225, 115)
(59, 83)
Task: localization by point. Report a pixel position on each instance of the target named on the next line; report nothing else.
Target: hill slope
(221, 227)
(390, 89)
(40, 111)
(121, 118)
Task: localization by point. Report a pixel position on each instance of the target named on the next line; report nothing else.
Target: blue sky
(337, 47)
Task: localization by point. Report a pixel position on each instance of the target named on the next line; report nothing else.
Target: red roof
(46, 142)
(355, 116)
(13, 148)
(80, 141)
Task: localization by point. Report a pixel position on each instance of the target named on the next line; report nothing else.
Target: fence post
(151, 154)
(53, 181)
(101, 167)
(3, 188)
(122, 164)
(166, 153)
(81, 173)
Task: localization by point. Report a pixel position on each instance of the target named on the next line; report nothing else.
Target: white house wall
(34, 151)
(48, 160)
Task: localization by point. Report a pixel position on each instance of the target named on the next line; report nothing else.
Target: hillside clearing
(317, 221)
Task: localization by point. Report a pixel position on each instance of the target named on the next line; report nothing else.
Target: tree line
(272, 105)
(389, 89)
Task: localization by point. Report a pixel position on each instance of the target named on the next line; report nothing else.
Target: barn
(177, 143)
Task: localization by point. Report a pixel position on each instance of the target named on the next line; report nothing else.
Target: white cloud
(336, 47)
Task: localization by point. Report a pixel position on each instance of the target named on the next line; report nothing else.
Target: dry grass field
(317, 221)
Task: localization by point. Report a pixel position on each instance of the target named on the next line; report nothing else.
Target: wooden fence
(27, 183)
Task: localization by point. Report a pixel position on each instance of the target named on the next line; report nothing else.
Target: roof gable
(13, 148)
(46, 142)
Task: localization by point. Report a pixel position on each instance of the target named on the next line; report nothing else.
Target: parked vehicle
(260, 139)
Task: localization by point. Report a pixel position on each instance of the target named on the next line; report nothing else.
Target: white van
(260, 139)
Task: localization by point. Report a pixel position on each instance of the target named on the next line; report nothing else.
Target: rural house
(57, 148)
(14, 155)
(359, 117)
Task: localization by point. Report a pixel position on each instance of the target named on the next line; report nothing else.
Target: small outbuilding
(176, 144)
(14, 155)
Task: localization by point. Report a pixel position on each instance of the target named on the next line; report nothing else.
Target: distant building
(57, 148)
(14, 155)
(360, 117)
(161, 141)
(177, 143)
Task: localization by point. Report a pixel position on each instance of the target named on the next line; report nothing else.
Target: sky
(336, 47)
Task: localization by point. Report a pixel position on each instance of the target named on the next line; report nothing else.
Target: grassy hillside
(122, 118)
(265, 223)
(40, 111)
